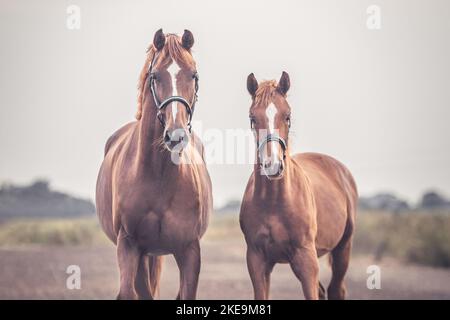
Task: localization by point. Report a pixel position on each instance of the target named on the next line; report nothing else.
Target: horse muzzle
(273, 169)
(176, 140)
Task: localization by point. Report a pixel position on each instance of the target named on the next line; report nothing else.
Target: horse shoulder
(117, 135)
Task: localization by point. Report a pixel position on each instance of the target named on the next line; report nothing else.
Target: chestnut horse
(295, 208)
(153, 192)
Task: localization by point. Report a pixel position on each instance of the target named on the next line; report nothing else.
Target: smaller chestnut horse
(295, 208)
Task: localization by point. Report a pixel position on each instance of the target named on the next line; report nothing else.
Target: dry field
(37, 271)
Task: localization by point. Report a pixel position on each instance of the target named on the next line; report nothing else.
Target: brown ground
(39, 273)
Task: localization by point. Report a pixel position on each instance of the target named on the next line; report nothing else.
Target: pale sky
(377, 100)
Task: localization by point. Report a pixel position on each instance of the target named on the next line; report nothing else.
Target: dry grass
(418, 237)
(51, 232)
(224, 226)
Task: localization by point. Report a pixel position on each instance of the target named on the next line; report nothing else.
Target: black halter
(269, 138)
(161, 105)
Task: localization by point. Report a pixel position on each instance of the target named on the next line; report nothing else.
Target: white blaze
(271, 113)
(173, 70)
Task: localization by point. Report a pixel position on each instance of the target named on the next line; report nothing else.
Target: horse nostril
(180, 135)
(167, 137)
(273, 168)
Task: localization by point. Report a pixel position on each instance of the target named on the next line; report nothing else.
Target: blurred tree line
(39, 200)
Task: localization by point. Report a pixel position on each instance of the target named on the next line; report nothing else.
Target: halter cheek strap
(168, 101)
(162, 105)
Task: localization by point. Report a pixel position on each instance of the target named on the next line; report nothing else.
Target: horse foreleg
(128, 257)
(322, 294)
(148, 276)
(189, 261)
(305, 265)
(143, 280)
(259, 274)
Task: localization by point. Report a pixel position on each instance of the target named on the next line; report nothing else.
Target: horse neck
(278, 190)
(152, 157)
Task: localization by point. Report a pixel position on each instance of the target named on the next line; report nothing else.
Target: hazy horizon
(377, 100)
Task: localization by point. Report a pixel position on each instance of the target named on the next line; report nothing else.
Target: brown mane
(173, 49)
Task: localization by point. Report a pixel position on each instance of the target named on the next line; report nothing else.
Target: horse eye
(252, 123)
(288, 120)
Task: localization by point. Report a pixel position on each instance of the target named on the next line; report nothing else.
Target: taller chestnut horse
(295, 208)
(153, 190)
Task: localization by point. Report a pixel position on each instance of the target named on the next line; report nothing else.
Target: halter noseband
(162, 105)
(273, 137)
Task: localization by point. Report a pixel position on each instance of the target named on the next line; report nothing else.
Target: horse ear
(252, 84)
(187, 40)
(284, 84)
(159, 39)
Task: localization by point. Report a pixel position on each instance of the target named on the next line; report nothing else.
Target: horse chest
(272, 237)
(162, 233)
(162, 215)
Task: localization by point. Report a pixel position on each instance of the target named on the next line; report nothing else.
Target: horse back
(332, 169)
(335, 194)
